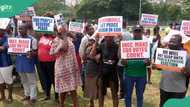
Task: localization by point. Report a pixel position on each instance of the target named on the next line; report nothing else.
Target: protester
(135, 73)
(77, 42)
(46, 62)
(27, 72)
(173, 84)
(108, 75)
(157, 36)
(92, 70)
(6, 68)
(84, 42)
(150, 39)
(125, 36)
(67, 74)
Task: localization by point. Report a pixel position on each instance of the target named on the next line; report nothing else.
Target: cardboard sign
(27, 14)
(19, 45)
(170, 60)
(76, 27)
(4, 22)
(59, 20)
(149, 20)
(43, 24)
(135, 49)
(185, 27)
(110, 25)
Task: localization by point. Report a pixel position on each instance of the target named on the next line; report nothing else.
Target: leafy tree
(56, 6)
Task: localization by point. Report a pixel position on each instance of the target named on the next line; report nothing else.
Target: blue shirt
(24, 64)
(5, 58)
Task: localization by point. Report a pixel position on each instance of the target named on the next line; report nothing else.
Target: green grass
(151, 97)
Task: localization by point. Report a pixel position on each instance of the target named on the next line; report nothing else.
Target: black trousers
(164, 96)
(47, 77)
(120, 75)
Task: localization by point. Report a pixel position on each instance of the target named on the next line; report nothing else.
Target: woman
(67, 75)
(91, 74)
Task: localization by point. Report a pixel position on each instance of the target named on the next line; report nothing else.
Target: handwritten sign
(170, 60)
(135, 49)
(27, 14)
(4, 22)
(110, 25)
(185, 27)
(19, 45)
(149, 20)
(59, 20)
(76, 27)
(43, 24)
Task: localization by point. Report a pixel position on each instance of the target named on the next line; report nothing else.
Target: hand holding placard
(170, 60)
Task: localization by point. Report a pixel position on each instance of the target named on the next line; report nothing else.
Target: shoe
(9, 100)
(46, 99)
(26, 98)
(149, 82)
(121, 96)
(32, 101)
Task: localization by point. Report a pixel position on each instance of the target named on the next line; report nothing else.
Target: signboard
(19, 45)
(4, 22)
(27, 14)
(149, 20)
(185, 27)
(135, 49)
(43, 24)
(59, 20)
(170, 60)
(76, 27)
(110, 25)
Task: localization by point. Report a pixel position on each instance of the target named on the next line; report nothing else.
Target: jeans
(139, 83)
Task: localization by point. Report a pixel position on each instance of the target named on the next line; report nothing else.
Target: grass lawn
(151, 97)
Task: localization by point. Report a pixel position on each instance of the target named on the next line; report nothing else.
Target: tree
(186, 9)
(56, 6)
(129, 9)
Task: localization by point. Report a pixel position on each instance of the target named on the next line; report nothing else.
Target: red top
(44, 46)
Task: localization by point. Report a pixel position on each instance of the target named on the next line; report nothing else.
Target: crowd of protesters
(68, 60)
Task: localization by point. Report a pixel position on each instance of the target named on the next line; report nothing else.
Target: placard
(135, 49)
(4, 22)
(43, 24)
(110, 25)
(59, 20)
(149, 20)
(27, 14)
(170, 60)
(76, 27)
(185, 27)
(19, 45)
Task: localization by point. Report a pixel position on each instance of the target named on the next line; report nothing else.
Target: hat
(137, 27)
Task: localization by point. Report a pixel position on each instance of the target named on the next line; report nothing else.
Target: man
(173, 84)
(84, 42)
(108, 75)
(27, 72)
(135, 73)
(6, 68)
